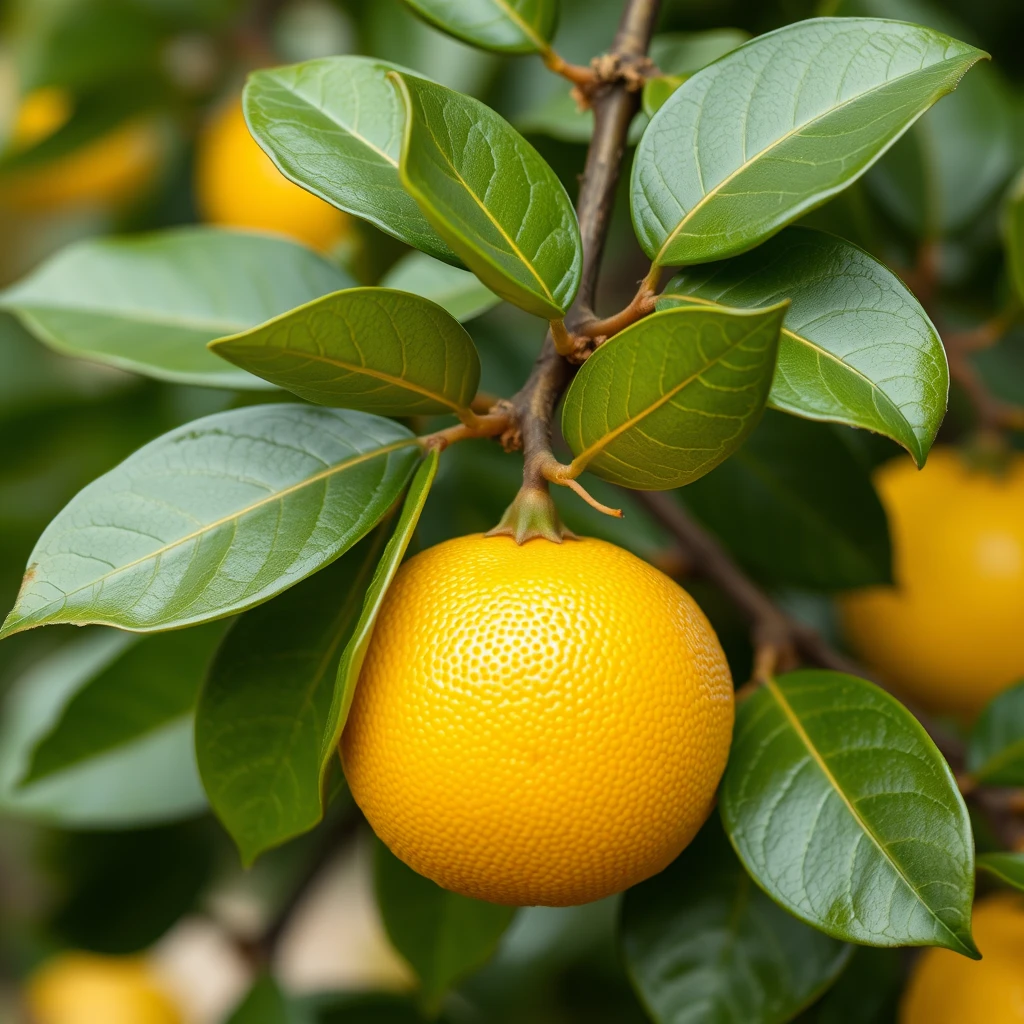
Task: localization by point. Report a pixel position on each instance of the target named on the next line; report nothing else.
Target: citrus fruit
(946, 988)
(948, 634)
(538, 724)
(80, 988)
(109, 170)
(237, 185)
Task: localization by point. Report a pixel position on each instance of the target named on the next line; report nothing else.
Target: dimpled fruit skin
(237, 185)
(946, 988)
(951, 634)
(79, 988)
(543, 724)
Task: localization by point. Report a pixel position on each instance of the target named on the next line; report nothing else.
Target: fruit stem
(532, 515)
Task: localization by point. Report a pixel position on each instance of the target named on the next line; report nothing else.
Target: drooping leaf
(856, 346)
(843, 811)
(995, 753)
(796, 506)
(374, 349)
(151, 780)
(1007, 867)
(703, 943)
(215, 517)
(508, 26)
(458, 291)
(334, 126)
(262, 714)
(491, 196)
(443, 936)
(151, 303)
(153, 682)
(666, 400)
(359, 641)
(1013, 233)
(681, 54)
(778, 126)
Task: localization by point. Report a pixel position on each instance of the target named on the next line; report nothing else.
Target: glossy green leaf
(778, 126)
(667, 399)
(151, 780)
(796, 506)
(491, 196)
(856, 346)
(334, 126)
(444, 936)
(995, 753)
(843, 811)
(355, 648)
(215, 517)
(679, 55)
(263, 712)
(508, 26)
(1013, 232)
(151, 683)
(702, 943)
(150, 303)
(1007, 867)
(458, 291)
(374, 349)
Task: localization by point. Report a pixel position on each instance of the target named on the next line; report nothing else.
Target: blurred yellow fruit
(950, 635)
(80, 988)
(110, 170)
(544, 724)
(237, 185)
(946, 988)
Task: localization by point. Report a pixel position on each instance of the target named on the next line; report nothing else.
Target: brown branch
(639, 306)
(782, 642)
(614, 106)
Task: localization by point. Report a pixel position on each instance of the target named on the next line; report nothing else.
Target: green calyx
(532, 515)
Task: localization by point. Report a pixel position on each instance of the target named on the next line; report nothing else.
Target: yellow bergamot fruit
(108, 171)
(538, 724)
(946, 988)
(237, 185)
(81, 988)
(949, 635)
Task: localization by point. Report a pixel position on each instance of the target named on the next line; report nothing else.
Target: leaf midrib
(340, 364)
(130, 316)
(588, 454)
(527, 29)
(797, 726)
(795, 130)
(325, 474)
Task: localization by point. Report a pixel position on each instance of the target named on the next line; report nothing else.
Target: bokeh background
(122, 116)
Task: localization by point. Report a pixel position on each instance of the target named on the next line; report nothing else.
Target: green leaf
(867, 991)
(491, 196)
(151, 780)
(265, 1003)
(796, 506)
(458, 291)
(1007, 867)
(444, 936)
(263, 712)
(681, 54)
(856, 346)
(153, 682)
(334, 126)
(778, 126)
(508, 26)
(846, 814)
(373, 349)
(995, 753)
(702, 943)
(667, 399)
(150, 303)
(1013, 234)
(215, 517)
(355, 649)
